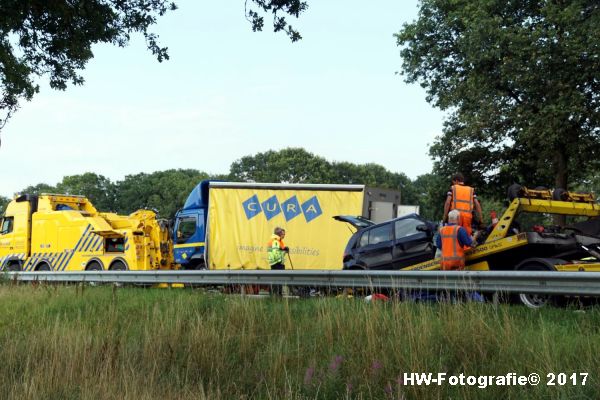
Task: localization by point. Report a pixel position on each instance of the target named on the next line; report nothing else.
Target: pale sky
(226, 93)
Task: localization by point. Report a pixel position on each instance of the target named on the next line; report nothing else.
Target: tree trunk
(561, 177)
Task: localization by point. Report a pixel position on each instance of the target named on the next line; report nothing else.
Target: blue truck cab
(189, 230)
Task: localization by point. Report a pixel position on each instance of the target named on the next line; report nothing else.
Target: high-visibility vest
(274, 250)
(462, 198)
(453, 254)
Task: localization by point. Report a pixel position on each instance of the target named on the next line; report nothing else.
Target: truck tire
(118, 265)
(196, 265)
(537, 301)
(13, 266)
(94, 266)
(43, 266)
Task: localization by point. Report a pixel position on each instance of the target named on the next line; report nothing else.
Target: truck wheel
(13, 266)
(537, 264)
(534, 300)
(94, 266)
(196, 265)
(43, 267)
(118, 266)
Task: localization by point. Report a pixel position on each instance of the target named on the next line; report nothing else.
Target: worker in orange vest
(462, 198)
(453, 240)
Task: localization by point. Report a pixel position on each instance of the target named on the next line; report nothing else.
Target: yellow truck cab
(52, 232)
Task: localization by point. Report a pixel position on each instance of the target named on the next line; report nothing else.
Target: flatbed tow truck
(569, 248)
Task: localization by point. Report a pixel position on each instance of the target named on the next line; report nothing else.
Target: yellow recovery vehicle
(509, 246)
(53, 232)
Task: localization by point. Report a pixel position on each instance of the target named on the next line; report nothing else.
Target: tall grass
(103, 343)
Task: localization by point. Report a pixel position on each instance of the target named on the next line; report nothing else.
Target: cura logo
(290, 208)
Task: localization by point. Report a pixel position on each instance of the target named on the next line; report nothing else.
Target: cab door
(7, 238)
(15, 232)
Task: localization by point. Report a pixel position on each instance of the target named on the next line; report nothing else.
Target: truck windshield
(7, 225)
(185, 228)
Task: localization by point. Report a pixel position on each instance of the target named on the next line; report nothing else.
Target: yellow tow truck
(54, 232)
(513, 246)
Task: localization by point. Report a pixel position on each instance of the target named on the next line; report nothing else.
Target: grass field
(127, 343)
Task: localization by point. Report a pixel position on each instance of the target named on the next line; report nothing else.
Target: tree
(429, 194)
(375, 175)
(39, 189)
(165, 191)
(3, 203)
(296, 165)
(97, 188)
(520, 80)
(291, 165)
(276, 7)
(55, 38)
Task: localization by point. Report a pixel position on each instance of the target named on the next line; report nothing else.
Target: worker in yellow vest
(276, 249)
(462, 198)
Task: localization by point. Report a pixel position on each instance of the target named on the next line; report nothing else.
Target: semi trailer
(226, 225)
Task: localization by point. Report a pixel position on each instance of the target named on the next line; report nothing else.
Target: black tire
(196, 265)
(94, 266)
(13, 266)
(537, 301)
(43, 266)
(118, 266)
(515, 190)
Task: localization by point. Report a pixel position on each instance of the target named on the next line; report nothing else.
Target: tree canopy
(166, 191)
(296, 165)
(520, 80)
(99, 189)
(55, 38)
(163, 191)
(3, 202)
(291, 165)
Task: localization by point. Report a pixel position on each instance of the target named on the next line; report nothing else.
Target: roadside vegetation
(74, 342)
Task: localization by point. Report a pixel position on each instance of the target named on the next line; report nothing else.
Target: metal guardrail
(538, 282)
